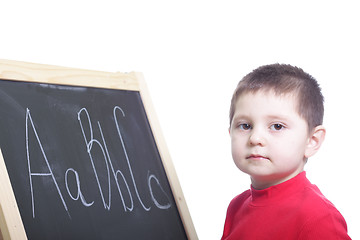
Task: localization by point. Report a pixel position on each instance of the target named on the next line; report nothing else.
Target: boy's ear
(315, 140)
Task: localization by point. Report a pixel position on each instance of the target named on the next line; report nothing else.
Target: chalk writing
(126, 155)
(93, 144)
(79, 193)
(166, 206)
(31, 174)
(89, 146)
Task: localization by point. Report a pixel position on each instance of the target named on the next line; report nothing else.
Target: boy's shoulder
(320, 216)
(315, 205)
(237, 202)
(240, 199)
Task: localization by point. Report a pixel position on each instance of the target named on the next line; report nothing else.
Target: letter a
(39, 174)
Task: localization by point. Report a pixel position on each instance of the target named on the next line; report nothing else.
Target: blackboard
(83, 163)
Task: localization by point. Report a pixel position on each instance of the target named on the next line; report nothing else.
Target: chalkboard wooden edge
(166, 159)
(41, 73)
(11, 224)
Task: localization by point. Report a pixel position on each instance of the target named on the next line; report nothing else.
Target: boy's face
(268, 138)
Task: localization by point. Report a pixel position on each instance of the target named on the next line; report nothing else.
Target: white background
(192, 54)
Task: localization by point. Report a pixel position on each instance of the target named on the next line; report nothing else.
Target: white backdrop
(192, 54)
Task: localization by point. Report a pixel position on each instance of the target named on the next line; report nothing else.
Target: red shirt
(295, 209)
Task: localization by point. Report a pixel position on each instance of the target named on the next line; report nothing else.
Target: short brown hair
(283, 79)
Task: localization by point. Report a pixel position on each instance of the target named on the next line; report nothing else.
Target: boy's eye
(245, 126)
(276, 127)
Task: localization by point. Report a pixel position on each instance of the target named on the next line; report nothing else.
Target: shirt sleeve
(228, 220)
(234, 206)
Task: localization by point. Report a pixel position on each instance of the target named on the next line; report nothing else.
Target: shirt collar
(277, 193)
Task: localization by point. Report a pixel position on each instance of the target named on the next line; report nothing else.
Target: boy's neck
(259, 184)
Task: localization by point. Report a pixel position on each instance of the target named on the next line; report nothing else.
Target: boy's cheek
(238, 140)
(236, 151)
(238, 155)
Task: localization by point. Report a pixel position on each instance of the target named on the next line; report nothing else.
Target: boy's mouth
(257, 157)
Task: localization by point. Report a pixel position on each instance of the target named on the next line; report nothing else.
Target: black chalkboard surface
(83, 163)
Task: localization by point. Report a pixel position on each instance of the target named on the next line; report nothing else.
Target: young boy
(276, 119)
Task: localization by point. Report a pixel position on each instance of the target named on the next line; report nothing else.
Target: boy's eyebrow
(241, 116)
(267, 117)
(277, 116)
(281, 117)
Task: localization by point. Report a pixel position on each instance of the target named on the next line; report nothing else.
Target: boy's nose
(256, 138)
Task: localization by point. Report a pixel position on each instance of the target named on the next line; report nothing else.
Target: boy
(276, 119)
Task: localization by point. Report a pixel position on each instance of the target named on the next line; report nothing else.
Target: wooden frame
(11, 225)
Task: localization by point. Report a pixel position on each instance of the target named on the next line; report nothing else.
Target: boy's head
(285, 79)
(275, 123)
